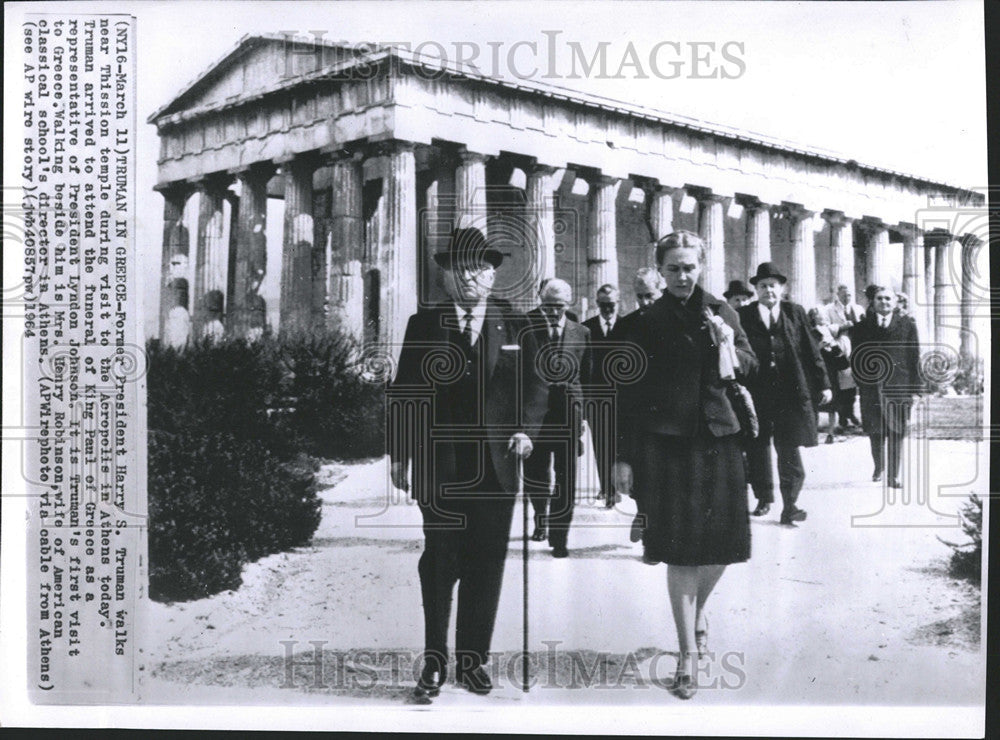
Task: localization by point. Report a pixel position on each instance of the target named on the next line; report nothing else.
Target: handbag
(835, 358)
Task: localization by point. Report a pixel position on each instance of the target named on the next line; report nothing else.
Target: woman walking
(680, 442)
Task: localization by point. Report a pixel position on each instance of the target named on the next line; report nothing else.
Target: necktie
(467, 331)
(607, 327)
(554, 332)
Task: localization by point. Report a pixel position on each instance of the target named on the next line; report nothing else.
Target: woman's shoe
(683, 687)
(829, 439)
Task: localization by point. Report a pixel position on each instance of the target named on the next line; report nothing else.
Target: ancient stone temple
(377, 155)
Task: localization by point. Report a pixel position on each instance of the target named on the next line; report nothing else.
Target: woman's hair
(814, 316)
(679, 240)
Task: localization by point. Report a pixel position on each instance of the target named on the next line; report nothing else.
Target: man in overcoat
(464, 405)
(791, 378)
(564, 362)
(886, 366)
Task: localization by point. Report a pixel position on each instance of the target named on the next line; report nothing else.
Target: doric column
(841, 250)
(802, 260)
(210, 270)
(539, 189)
(945, 296)
(877, 255)
(660, 209)
(758, 235)
(712, 231)
(175, 243)
(345, 286)
(913, 276)
(396, 247)
(470, 190)
(970, 249)
(602, 248)
(251, 249)
(297, 245)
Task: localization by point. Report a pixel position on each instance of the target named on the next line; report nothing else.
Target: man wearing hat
(791, 378)
(473, 359)
(738, 294)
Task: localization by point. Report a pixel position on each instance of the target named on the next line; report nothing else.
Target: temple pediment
(257, 65)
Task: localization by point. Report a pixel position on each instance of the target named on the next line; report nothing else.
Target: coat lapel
(494, 335)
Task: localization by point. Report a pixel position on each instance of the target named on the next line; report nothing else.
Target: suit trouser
(791, 473)
(600, 433)
(472, 553)
(844, 402)
(557, 513)
(895, 419)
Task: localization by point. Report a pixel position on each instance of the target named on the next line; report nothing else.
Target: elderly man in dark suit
(886, 366)
(466, 402)
(791, 377)
(601, 326)
(564, 362)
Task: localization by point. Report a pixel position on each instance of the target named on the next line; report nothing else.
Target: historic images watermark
(551, 57)
(309, 665)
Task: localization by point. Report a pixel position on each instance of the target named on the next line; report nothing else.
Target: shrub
(333, 411)
(217, 502)
(966, 558)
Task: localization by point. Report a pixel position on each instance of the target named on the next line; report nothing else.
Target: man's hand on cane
(520, 445)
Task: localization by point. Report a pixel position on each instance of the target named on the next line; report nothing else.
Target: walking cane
(524, 572)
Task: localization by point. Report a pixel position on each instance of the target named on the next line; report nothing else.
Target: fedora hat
(768, 270)
(468, 247)
(736, 287)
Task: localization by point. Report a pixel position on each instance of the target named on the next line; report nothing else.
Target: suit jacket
(514, 398)
(566, 367)
(601, 346)
(680, 391)
(795, 411)
(885, 362)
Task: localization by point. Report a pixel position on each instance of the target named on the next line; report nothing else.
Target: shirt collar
(767, 314)
(478, 317)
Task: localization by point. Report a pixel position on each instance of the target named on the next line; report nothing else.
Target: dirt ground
(852, 607)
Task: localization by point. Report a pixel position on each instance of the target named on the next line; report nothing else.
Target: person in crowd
(680, 442)
(565, 364)
(887, 370)
(570, 314)
(903, 304)
(465, 487)
(737, 294)
(841, 315)
(834, 359)
(600, 327)
(792, 377)
(648, 285)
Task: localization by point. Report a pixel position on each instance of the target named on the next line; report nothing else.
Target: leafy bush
(969, 377)
(967, 558)
(333, 411)
(217, 502)
(232, 423)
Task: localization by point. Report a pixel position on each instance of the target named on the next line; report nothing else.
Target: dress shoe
(876, 476)
(894, 483)
(476, 680)
(539, 535)
(793, 515)
(683, 687)
(635, 531)
(762, 509)
(428, 686)
(560, 552)
(829, 439)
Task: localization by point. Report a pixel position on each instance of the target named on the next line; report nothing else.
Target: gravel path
(836, 611)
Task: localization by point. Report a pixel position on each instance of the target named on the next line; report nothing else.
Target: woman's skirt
(695, 496)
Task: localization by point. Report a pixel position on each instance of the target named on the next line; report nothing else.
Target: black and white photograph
(617, 368)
